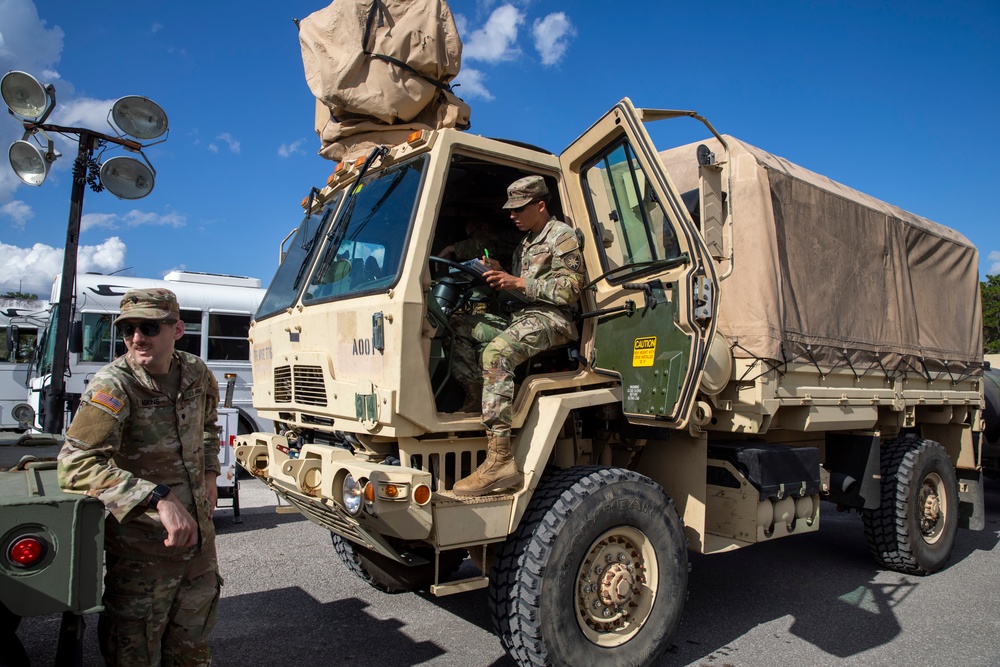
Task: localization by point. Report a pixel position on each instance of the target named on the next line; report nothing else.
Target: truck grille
(303, 384)
(283, 384)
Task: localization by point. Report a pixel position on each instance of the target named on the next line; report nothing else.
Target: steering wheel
(474, 276)
(451, 292)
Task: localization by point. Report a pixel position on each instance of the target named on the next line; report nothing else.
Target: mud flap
(971, 504)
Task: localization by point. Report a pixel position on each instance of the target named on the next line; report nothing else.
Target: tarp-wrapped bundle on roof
(381, 69)
(826, 274)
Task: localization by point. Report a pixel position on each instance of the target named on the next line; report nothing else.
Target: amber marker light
(359, 162)
(391, 491)
(369, 493)
(421, 494)
(417, 138)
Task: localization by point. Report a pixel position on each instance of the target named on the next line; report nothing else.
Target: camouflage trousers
(491, 371)
(159, 613)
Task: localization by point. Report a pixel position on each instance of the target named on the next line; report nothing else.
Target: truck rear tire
(596, 572)
(913, 529)
(388, 575)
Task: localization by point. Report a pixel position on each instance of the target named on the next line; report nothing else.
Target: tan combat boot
(497, 473)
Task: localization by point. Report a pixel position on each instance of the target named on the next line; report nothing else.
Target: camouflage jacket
(128, 436)
(552, 266)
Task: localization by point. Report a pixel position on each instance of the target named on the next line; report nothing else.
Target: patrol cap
(525, 190)
(149, 304)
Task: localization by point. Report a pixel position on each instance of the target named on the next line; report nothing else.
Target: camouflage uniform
(127, 437)
(551, 264)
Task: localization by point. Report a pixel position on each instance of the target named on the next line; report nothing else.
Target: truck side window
(632, 222)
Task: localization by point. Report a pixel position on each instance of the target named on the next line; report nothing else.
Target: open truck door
(652, 275)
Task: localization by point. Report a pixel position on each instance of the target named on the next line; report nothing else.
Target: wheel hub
(930, 508)
(613, 597)
(617, 585)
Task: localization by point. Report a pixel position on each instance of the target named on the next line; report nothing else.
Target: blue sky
(899, 100)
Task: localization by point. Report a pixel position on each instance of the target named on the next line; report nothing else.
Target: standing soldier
(548, 270)
(145, 442)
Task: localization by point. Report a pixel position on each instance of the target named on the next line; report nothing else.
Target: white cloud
(19, 212)
(84, 112)
(225, 137)
(34, 269)
(994, 258)
(552, 35)
(495, 41)
(471, 83)
(288, 150)
(133, 218)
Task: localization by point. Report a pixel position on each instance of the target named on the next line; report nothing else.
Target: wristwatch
(160, 491)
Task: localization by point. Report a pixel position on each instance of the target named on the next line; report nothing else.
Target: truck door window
(628, 217)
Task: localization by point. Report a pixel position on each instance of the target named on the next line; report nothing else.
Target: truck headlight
(352, 494)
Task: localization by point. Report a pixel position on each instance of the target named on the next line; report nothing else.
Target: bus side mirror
(11, 340)
(76, 337)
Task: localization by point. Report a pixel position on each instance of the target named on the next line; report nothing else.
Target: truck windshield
(291, 274)
(365, 246)
(360, 252)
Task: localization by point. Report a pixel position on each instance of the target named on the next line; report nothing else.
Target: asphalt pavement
(815, 599)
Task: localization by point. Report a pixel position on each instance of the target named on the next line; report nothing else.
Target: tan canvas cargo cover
(827, 274)
(380, 69)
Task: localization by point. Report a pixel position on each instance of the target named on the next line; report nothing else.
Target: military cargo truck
(755, 339)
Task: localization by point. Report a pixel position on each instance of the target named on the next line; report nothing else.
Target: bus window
(227, 337)
(26, 338)
(191, 340)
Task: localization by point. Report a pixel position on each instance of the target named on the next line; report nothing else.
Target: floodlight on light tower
(127, 178)
(26, 97)
(139, 117)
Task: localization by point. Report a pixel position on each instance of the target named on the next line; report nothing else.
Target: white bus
(216, 310)
(21, 321)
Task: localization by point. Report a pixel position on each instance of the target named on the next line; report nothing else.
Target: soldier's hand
(182, 529)
(500, 280)
(212, 492)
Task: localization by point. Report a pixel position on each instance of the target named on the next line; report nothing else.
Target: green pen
(486, 252)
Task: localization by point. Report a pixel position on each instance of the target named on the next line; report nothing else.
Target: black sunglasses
(147, 329)
(519, 209)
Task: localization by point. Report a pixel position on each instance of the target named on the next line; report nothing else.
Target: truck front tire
(596, 573)
(913, 529)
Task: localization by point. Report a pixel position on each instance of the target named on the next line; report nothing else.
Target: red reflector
(26, 551)
(232, 441)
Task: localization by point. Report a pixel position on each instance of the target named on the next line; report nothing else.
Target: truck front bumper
(317, 479)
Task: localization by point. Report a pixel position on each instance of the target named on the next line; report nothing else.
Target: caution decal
(644, 351)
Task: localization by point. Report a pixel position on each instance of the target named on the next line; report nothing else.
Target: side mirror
(76, 337)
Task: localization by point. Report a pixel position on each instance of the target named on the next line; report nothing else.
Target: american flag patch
(108, 401)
